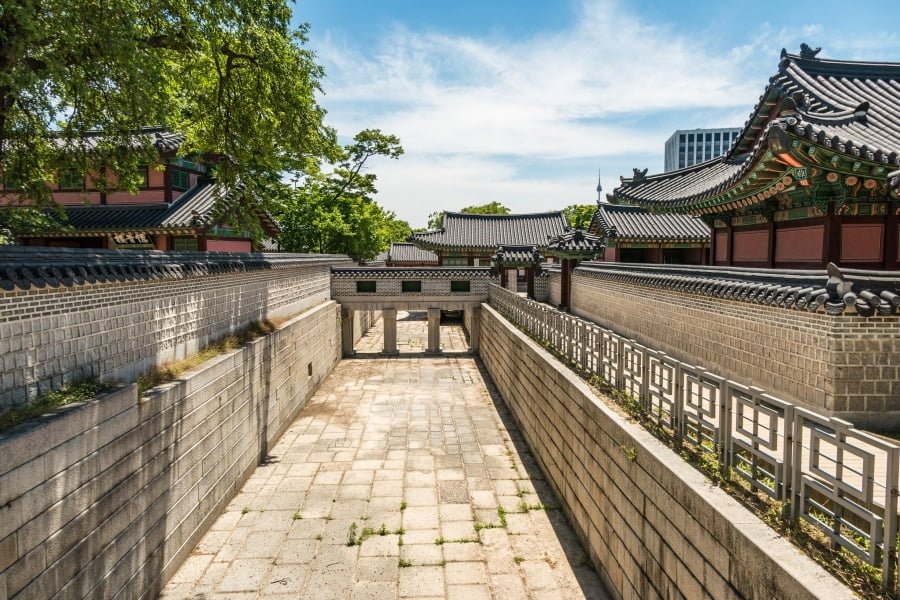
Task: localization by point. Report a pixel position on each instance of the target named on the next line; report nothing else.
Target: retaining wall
(71, 314)
(105, 499)
(845, 365)
(654, 527)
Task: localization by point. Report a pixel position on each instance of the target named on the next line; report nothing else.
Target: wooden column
(565, 271)
(770, 253)
(832, 242)
(729, 240)
(167, 183)
(470, 260)
(529, 277)
(711, 255)
(890, 240)
(502, 276)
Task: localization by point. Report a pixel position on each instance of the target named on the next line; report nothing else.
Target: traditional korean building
(185, 224)
(634, 234)
(812, 178)
(511, 243)
(172, 209)
(404, 254)
(472, 239)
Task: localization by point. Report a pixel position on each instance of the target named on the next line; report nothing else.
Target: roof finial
(639, 175)
(807, 52)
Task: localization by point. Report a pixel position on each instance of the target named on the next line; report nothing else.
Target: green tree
(436, 219)
(580, 216)
(491, 208)
(231, 75)
(336, 212)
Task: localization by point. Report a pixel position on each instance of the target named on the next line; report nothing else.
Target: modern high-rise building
(688, 147)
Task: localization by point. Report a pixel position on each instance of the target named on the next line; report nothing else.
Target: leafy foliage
(232, 75)
(579, 216)
(336, 212)
(491, 208)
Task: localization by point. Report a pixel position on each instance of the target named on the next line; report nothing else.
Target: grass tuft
(77, 392)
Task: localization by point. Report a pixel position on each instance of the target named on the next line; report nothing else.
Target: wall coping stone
(23, 267)
(833, 289)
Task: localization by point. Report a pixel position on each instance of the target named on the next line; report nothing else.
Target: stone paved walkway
(404, 477)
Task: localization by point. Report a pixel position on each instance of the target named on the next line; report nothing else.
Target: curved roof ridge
(533, 214)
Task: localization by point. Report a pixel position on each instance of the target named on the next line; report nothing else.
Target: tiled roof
(463, 230)
(402, 252)
(852, 108)
(632, 223)
(518, 255)
(166, 142)
(411, 272)
(575, 242)
(834, 290)
(191, 211)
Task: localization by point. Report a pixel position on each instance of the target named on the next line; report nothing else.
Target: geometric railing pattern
(842, 480)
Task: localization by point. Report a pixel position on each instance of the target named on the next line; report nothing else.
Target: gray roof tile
(463, 230)
(402, 252)
(631, 223)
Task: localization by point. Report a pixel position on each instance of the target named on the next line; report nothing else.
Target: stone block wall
(554, 293)
(116, 322)
(845, 365)
(653, 526)
(105, 499)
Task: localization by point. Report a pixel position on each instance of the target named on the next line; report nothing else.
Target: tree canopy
(336, 212)
(580, 216)
(231, 75)
(436, 219)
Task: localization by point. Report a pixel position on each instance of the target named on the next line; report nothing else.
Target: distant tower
(599, 189)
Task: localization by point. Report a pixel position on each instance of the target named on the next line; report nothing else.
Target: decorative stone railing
(449, 288)
(822, 470)
(832, 289)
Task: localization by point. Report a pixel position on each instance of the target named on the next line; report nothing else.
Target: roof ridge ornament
(639, 176)
(808, 52)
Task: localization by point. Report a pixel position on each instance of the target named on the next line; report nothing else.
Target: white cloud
(467, 109)
(421, 185)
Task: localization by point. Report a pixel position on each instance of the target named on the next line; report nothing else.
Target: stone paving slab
(404, 477)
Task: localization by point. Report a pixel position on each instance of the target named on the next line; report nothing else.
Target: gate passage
(433, 289)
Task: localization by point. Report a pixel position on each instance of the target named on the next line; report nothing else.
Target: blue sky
(523, 101)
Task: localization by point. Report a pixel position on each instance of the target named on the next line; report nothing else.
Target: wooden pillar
(434, 331)
(347, 315)
(729, 240)
(710, 257)
(565, 271)
(890, 240)
(502, 275)
(832, 241)
(167, 183)
(161, 242)
(440, 259)
(201, 243)
(470, 260)
(529, 277)
(389, 316)
(770, 253)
